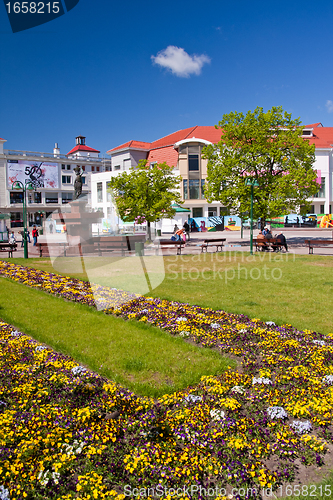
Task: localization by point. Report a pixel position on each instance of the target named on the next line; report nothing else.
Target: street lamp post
(253, 183)
(19, 186)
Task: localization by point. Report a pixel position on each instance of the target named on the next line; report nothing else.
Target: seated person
(280, 242)
(262, 244)
(268, 234)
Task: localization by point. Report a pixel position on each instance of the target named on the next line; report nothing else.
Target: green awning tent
(179, 209)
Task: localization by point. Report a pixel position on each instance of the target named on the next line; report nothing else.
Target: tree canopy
(266, 147)
(146, 193)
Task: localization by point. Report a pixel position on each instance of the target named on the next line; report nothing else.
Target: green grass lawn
(140, 357)
(283, 288)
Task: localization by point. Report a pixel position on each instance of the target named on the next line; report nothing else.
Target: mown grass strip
(283, 288)
(142, 358)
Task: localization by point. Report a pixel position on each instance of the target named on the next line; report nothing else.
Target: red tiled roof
(133, 145)
(2, 139)
(167, 154)
(171, 139)
(322, 137)
(162, 149)
(313, 125)
(81, 147)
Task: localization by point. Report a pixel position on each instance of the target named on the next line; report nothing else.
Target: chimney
(56, 150)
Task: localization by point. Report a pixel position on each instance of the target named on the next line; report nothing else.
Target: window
(68, 167)
(35, 198)
(93, 169)
(108, 194)
(117, 167)
(97, 169)
(185, 189)
(99, 192)
(66, 197)
(83, 180)
(194, 189)
(203, 188)
(193, 163)
(51, 197)
(321, 192)
(322, 209)
(197, 212)
(83, 167)
(212, 211)
(107, 169)
(66, 179)
(16, 197)
(63, 167)
(224, 211)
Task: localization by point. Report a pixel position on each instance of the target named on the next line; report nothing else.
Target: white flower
(270, 323)
(191, 398)
(43, 477)
(215, 325)
(261, 380)
(301, 427)
(4, 493)
(277, 412)
(16, 333)
(40, 348)
(328, 379)
(242, 330)
(320, 342)
(217, 414)
(75, 448)
(55, 477)
(78, 369)
(239, 389)
(181, 319)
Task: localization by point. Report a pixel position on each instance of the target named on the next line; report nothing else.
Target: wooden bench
(318, 243)
(179, 244)
(44, 249)
(211, 241)
(111, 244)
(8, 247)
(267, 244)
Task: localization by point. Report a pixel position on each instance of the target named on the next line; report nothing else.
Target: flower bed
(68, 433)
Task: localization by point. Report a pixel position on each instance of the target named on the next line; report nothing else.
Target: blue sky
(98, 70)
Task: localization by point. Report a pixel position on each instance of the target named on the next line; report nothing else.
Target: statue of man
(77, 183)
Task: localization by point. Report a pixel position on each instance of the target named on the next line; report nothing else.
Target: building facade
(50, 174)
(183, 151)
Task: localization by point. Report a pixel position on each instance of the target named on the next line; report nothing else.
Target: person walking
(175, 229)
(12, 240)
(35, 235)
(187, 229)
(22, 235)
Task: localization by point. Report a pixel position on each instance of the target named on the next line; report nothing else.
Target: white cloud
(329, 106)
(179, 62)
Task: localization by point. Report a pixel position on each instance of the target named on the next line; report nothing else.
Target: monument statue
(77, 183)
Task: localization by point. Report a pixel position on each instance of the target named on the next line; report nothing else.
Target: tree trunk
(148, 231)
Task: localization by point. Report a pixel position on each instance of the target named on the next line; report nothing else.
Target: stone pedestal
(78, 221)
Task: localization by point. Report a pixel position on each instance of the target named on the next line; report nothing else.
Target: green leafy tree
(146, 193)
(266, 147)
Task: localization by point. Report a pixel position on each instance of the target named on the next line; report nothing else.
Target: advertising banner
(39, 174)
